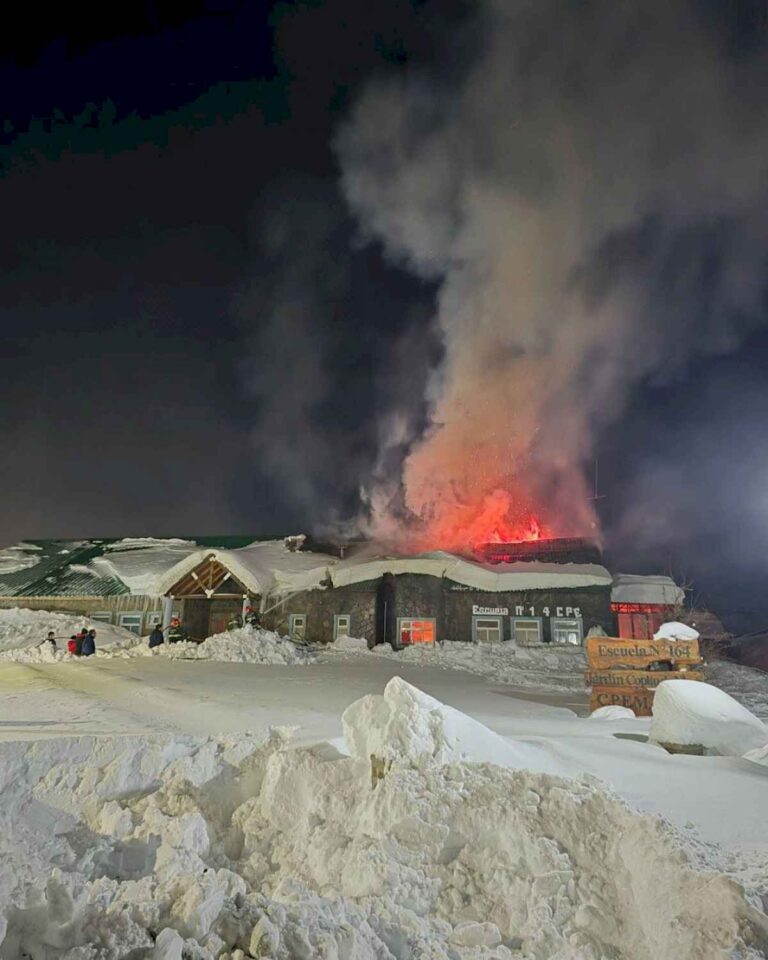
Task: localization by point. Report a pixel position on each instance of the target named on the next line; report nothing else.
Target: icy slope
(132, 847)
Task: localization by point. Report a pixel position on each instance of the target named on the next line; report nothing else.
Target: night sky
(204, 332)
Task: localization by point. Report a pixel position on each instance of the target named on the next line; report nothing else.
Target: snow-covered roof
(271, 568)
(658, 589)
(264, 567)
(492, 577)
(141, 562)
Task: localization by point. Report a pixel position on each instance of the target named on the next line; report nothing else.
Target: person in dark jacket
(50, 640)
(156, 637)
(89, 644)
(79, 637)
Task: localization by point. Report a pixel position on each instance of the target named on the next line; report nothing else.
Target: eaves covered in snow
(270, 568)
(652, 589)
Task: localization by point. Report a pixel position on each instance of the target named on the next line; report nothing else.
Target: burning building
(546, 593)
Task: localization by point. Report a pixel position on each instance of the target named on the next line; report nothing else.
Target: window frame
(539, 621)
(292, 618)
(101, 616)
(579, 621)
(402, 620)
(121, 622)
(153, 618)
(498, 618)
(336, 618)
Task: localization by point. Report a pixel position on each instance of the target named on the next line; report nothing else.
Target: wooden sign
(619, 671)
(611, 652)
(638, 700)
(649, 679)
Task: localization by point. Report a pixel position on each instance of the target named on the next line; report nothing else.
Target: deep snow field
(169, 807)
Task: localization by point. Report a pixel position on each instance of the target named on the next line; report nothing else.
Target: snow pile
(406, 723)
(690, 712)
(349, 645)
(245, 645)
(22, 632)
(676, 631)
(612, 712)
(132, 847)
(745, 684)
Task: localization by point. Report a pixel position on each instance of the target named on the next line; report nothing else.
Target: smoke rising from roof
(587, 183)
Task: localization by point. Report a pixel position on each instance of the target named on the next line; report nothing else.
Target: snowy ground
(282, 848)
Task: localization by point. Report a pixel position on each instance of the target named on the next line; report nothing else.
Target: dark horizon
(232, 240)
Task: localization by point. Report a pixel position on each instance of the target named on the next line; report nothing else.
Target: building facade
(511, 596)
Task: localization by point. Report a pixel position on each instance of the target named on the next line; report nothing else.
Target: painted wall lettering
(489, 611)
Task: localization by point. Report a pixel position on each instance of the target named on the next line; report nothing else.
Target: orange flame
(496, 519)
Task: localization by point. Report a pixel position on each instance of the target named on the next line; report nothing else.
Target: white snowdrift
(133, 847)
(349, 645)
(407, 724)
(690, 712)
(22, 632)
(612, 712)
(676, 631)
(554, 669)
(235, 646)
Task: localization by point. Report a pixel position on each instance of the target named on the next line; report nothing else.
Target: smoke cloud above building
(589, 200)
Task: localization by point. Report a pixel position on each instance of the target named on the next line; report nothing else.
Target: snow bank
(349, 645)
(548, 668)
(235, 646)
(406, 723)
(676, 631)
(612, 712)
(690, 712)
(245, 646)
(134, 847)
(22, 631)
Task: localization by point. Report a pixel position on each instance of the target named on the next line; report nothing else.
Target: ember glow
(497, 518)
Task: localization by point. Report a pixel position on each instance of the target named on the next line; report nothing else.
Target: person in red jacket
(72, 644)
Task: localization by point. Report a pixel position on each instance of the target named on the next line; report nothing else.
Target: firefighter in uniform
(176, 632)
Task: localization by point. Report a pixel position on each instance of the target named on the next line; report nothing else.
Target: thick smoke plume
(587, 184)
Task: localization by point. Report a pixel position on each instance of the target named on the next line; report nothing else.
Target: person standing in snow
(50, 640)
(72, 644)
(156, 637)
(252, 618)
(89, 644)
(176, 632)
(79, 637)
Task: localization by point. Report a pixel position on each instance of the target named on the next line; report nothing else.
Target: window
(486, 630)
(154, 618)
(342, 624)
(297, 625)
(526, 631)
(415, 631)
(567, 632)
(132, 622)
(104, 616)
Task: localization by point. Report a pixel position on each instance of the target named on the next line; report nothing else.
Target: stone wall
(320, 607)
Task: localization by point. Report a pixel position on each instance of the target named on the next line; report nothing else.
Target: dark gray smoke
(587, 182)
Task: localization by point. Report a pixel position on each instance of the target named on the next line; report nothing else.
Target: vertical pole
(246, 604)
(167, 613)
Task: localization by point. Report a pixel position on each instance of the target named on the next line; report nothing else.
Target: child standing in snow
(89, 644)
(156, 637)
(50, 640)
